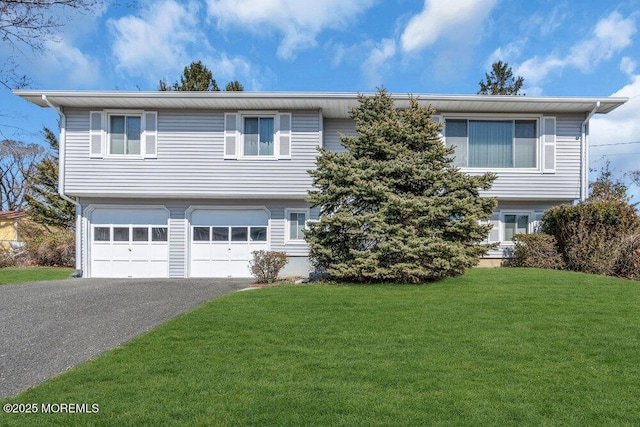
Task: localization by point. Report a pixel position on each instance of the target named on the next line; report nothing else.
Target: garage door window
(121, 234)
(226, 234)
(220, 234)
(102, 234)
(133, 234)
(140, 234)
(239, 234)
(159, 234)
(258, 234)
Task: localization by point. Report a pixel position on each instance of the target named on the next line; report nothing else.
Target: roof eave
(333, 104)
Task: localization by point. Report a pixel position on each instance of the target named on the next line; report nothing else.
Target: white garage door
(222, 241)
(129, 242)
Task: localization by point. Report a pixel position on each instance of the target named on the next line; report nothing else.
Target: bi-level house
(188, 184)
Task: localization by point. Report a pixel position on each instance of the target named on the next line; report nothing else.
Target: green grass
(24, 275)
(494, 347)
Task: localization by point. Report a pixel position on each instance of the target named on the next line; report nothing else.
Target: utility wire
(615, 143)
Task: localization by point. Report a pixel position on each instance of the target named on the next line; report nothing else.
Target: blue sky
(585, 48)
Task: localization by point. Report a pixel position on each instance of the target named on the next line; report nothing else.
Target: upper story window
(259, 135)
(493, 143)
(124, 135)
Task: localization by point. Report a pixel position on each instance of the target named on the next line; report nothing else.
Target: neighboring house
(188, 184)
(9, 236)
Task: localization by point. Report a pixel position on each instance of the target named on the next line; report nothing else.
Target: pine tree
(234, 86)
(393, 205)
(196, 77)
(500, 81)
(44, 204)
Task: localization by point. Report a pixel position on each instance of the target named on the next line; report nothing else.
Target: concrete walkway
(48, 327)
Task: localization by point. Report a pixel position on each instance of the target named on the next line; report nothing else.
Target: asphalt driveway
(48, 327)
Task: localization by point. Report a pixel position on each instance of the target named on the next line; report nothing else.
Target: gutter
(584, 187)
(61, 177)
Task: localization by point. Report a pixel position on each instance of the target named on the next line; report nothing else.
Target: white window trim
(488, 116)
(107, 134)
(530, 223)
(287, 236)
(276, 126)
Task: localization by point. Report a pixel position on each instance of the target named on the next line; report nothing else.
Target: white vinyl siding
(190, 161)
(333, 128)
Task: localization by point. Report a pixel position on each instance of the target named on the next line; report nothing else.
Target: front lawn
(35, 274)
(494, 347)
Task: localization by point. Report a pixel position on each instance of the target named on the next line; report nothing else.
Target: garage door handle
(129, 249)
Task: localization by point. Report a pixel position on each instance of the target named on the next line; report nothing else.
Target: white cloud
(628, 66)
(373, 66)
(157, 41)
(73, 67)
(620, 126)
(610, 36)
(461, 19)
(507, 53)
(299, 22)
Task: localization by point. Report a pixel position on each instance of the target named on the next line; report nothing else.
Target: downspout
(61, 177)
(584, 187)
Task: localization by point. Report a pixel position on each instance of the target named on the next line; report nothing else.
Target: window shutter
(284, 136)
(439, 120)
(549, 144)
(494, 233)
(537, 222)
(151, 134)
(231, 136)
(96, 134)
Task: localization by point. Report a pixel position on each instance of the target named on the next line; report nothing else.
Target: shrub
(536, 250)
(588, 235)
(628, 262)
(52, 250)
(7, 258)
(47, 245)
(266, 265)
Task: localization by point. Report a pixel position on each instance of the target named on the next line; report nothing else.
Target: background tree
(500, 81)
(393, 205)
(197, 77)
(31, 23)
(234, 86)
(17, 162)
(606, 187)
(44, 204)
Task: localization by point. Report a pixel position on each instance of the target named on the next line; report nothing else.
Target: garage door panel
(231, 234)
(129, 242)
(101, 252)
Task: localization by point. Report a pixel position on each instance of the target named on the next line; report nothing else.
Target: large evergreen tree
(44, 204)
(393, 205)
(500, 81)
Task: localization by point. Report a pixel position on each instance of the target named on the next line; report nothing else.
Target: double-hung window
(493, 143)
(515, 224)
(259, 136)
(124, 135)
(296, 224)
